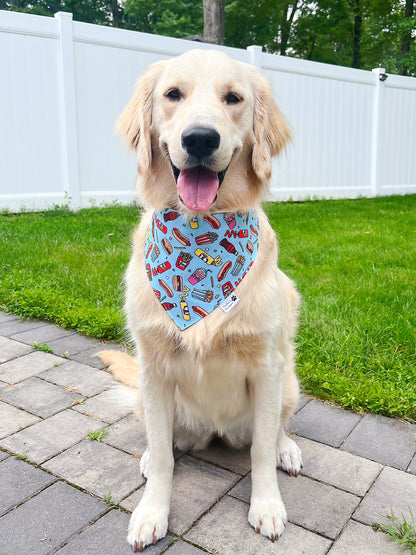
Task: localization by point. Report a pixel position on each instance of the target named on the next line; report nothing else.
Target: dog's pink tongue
(198, 188)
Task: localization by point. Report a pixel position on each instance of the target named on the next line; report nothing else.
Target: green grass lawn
(354, 262)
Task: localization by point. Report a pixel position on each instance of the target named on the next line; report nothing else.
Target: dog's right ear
(135, 120)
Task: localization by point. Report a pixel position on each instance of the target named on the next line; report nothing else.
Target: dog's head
(205, 128)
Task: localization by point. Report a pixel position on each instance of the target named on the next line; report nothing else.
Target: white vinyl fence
(64, 83)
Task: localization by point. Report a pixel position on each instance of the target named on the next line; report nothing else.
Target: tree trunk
(286, 25)
(214, 21)
(115, 11)
(356, 9)
(407, 37)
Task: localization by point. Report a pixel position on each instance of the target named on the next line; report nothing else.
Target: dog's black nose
(199, 141)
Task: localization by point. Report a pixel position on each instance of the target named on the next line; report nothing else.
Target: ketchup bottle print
(229, 247)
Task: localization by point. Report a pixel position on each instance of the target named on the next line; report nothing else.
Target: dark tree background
(356, 33)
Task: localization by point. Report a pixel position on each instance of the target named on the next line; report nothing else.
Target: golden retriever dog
(205, 129)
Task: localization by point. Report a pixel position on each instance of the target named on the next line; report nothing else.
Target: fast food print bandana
(194, 265)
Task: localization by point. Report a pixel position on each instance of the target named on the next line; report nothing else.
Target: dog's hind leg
(288, 454)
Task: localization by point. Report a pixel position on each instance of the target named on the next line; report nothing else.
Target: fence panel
(331, 115)
(398, 141)
(64, 83)
(30, 142)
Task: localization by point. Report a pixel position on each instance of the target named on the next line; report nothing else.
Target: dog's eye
(174, 94)
(232, 98)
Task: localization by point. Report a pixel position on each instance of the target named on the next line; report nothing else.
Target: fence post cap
(65, 15)
(255, 47)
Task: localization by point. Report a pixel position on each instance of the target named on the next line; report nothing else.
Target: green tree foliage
(356, 33)
(100, 12)
(174, 18)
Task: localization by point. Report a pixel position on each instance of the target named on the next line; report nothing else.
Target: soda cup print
(197, 276)
(230, 220)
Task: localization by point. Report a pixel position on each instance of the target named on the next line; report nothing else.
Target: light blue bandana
(194, 265)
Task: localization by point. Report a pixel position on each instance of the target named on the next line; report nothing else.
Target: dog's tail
(126, 371)
(123, 367)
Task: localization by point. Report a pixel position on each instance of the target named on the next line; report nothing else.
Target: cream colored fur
(231, 375)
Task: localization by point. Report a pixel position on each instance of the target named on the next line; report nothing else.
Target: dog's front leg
(267, 512)
(149, 521)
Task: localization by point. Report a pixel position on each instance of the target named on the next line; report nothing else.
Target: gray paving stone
(11, 327)
(5, 317)
(10, 349)
(104, 407)
(393, 490)
(313, 505)
(3, 455)
(412, 466)
(79, 377)
(44, 334)
(128, 434)
(89, 356)
(236, 460)
(99, 469)
(51, 436)
(183, 548)
(72, 344)
(357, 538)
(19, 481)
(107, 536)
(324, 423)
(338, 468)
(27, 366)
(13, 419)
(196, 487)
(46, 521)
(39, 397)
(226, 530)
(385, 440)
(303, 400)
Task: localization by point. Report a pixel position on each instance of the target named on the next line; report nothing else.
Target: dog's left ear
(136, 118)
(271, 129)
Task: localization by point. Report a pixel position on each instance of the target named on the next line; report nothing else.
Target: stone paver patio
(53, 494)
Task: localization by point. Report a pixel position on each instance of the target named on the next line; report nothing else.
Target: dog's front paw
(148, 523)
(268, 516)
(289, 456)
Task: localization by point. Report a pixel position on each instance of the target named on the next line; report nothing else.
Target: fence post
(377, 128)
(255, 57)
(69, 132)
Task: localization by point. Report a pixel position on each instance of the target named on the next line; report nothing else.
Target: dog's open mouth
(198, 186)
